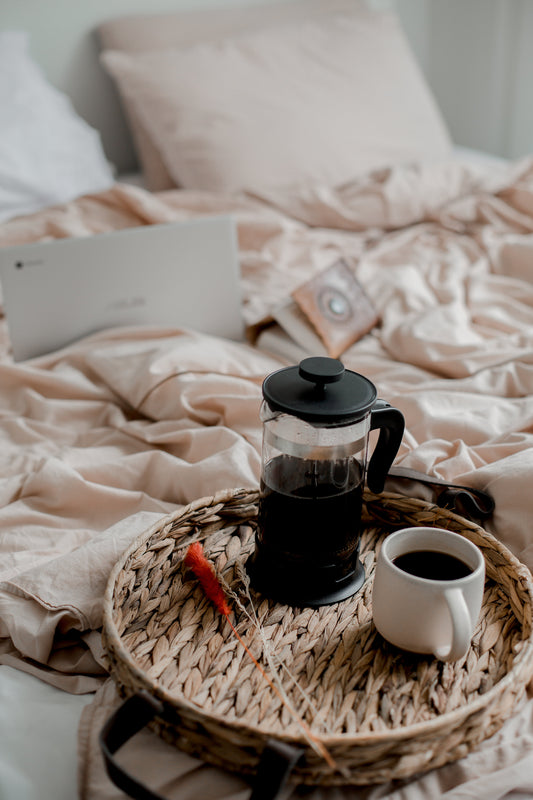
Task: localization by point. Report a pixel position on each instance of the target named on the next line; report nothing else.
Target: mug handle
(461, 627)
(391, 424)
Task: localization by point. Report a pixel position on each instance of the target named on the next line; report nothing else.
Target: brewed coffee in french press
(316, 418)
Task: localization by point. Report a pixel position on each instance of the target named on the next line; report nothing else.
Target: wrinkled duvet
(100, 439)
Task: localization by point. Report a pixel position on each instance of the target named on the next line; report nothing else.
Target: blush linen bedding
(101, 439)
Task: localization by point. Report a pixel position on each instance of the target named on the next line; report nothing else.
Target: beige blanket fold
(102, 438)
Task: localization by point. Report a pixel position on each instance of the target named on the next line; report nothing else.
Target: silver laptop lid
(178, 274)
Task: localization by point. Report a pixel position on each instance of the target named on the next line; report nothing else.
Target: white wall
(481, 70)
(519, 131)
(477, 56)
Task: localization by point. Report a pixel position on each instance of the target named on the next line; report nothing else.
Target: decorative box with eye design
(337, 306)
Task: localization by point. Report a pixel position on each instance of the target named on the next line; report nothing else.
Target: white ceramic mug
(420, 612)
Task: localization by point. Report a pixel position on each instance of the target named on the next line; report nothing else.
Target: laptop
(178, 274)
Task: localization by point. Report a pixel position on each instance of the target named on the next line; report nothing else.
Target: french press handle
(391, 425)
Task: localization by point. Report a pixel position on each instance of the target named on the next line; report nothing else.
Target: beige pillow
(318, 102)
(143, 32)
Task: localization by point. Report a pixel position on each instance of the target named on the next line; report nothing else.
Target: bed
(242, 114)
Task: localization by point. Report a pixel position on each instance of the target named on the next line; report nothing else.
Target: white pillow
(48, 154)
(321, 101)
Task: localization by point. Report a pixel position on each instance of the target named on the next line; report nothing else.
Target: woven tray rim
(522, 667)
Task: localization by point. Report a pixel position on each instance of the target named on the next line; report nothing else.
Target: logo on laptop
(28, 263)
(127, 303)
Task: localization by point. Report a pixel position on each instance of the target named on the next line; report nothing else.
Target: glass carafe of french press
(316, 422)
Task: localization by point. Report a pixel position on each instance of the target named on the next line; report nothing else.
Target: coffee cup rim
(467, 547)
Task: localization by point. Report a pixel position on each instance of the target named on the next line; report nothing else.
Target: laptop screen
(179, 274)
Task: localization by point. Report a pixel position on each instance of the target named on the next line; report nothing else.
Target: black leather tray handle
(275, 766)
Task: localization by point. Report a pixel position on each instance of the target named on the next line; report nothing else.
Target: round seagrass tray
(380, 713)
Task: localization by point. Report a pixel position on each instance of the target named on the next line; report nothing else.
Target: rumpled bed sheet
(102, 438)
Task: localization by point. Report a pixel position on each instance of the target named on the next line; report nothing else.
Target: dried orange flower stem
(196, 561)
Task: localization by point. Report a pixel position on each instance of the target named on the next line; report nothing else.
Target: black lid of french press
(320, 389)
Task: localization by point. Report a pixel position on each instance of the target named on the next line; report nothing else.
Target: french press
(316, 422)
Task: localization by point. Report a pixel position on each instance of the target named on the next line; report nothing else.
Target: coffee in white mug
(428, 590)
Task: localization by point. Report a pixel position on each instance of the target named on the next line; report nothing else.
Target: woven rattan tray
(381, 713)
